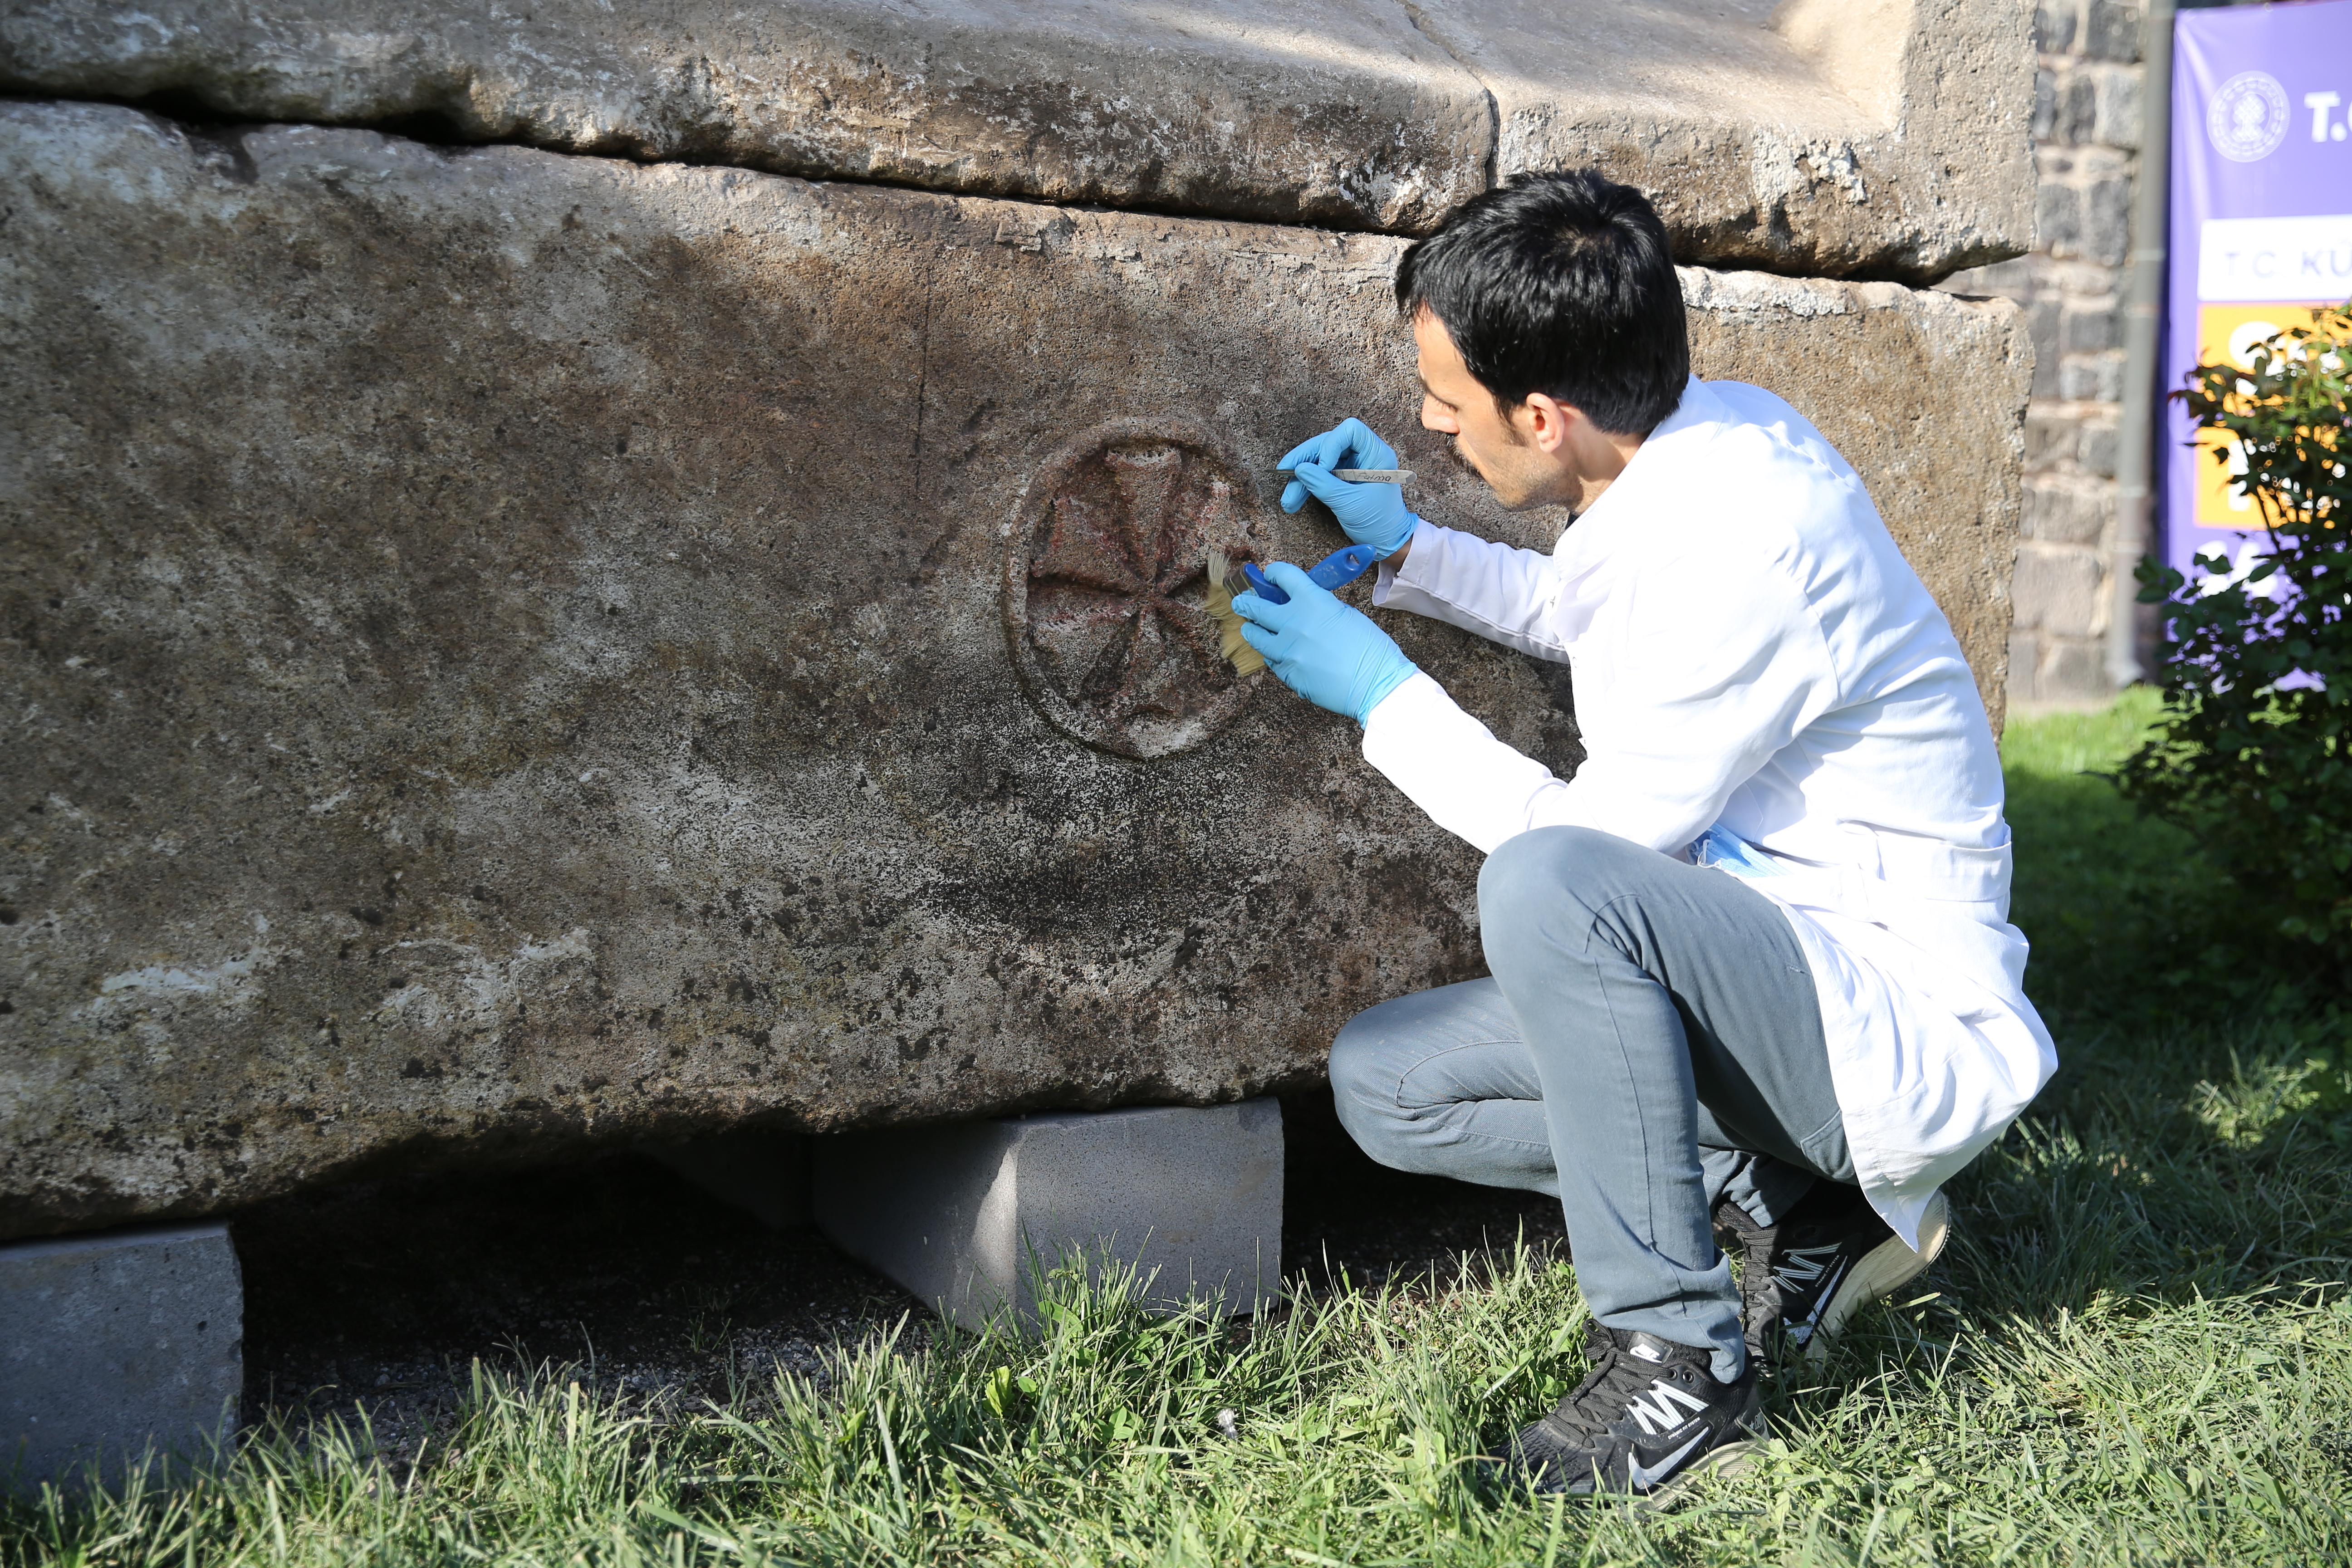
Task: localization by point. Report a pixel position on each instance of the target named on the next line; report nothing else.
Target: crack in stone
(179, 110)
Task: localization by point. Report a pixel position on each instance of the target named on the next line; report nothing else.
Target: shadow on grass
(2139, 1347)
(2196, 1141)
(2131, 930)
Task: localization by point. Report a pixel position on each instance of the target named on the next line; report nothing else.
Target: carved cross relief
(1105, 588)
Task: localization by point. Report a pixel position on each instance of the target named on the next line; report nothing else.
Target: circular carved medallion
(1104, 585)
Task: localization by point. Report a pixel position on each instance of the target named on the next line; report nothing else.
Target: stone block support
(116, 1344)
(966, 1216)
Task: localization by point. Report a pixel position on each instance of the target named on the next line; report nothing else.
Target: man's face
(1454, 403)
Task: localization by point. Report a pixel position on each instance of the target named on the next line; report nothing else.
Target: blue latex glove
(1327, 651)
(1373, 515)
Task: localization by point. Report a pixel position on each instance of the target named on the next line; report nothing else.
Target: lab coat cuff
(1423, 545)
(1407, 709)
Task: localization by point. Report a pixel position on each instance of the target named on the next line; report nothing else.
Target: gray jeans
(1649, 1045)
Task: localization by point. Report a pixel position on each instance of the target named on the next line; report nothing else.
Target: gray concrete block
(2091, 378)
(2057, 590)
(2075, 670)
(114, 1343)
(2115, 107)
(2107, 221)
(2098, 449)
(2053, 28)
(2075, 114)
(2065, 514)
(764, 1174)
(2091, 325)
(964, 1217)
(2113, 32)
(2058, 217)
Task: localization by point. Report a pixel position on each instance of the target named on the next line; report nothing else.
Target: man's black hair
(1561, 284)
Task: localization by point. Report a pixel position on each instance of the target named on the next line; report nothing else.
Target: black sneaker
(1649, 1417)
(1800, 1281)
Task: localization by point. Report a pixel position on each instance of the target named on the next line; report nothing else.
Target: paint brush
(1245, 660)
(1334, 571)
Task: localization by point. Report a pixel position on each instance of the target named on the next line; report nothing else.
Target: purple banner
(2261, 222)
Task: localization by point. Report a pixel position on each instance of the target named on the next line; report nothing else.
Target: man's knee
(1389, 1102)
(1530, 880)
(1367, 1078)
(1533, 866)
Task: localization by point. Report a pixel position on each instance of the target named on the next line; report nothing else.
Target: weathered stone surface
(1324, 111)
(1887, 139)
(510, 650)
(1925, 395)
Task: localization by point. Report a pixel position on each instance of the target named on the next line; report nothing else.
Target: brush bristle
(1245, 660)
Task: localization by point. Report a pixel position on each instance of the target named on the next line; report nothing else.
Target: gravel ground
(380, 1296)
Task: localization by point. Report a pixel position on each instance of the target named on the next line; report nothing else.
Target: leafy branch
(2251, 750)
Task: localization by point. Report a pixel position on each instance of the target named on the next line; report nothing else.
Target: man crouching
(1753, 981)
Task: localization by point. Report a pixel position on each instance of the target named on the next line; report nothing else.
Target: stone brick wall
(2085, 143)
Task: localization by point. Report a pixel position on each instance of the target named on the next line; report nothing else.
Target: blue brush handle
(1340, 566)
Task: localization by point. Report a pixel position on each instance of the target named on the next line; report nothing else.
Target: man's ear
(1544, 422)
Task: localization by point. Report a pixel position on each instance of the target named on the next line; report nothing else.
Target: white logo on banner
(2247, 118)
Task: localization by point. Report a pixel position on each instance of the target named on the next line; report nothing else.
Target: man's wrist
(1395, 557)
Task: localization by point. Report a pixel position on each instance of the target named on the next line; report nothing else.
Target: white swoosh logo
(1641, 1478)
(1822, 1302)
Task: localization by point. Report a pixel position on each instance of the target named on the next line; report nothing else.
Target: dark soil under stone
(382, 1295)
(1341, 1213)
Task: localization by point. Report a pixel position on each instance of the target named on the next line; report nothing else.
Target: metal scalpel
(1366, 476)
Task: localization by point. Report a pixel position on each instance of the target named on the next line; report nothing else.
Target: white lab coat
(1751, 651)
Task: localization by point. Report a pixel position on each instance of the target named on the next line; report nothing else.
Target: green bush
(2249, 754)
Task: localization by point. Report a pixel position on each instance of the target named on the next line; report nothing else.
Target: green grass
(2126, 922)
(2139, 1351)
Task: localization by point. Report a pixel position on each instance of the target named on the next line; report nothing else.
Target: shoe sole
(1728, 1460)
(1884, 1270)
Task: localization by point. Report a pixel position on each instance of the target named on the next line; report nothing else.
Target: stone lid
(1879, 137)
(1889, 138)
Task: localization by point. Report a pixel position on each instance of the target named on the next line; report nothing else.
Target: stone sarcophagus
(508, 647)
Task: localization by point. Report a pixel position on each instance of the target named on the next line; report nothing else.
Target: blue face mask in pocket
(1718, 845)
